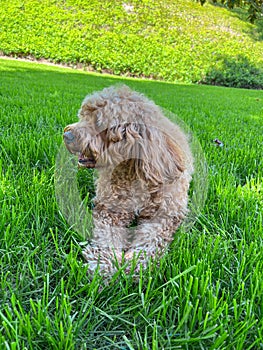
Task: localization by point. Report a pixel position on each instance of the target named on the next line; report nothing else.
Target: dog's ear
(162, 157)
(157, 158)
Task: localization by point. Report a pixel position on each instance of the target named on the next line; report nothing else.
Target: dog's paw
(106, 260)
(135, 260)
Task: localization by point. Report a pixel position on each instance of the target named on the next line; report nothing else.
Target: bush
(238, 73)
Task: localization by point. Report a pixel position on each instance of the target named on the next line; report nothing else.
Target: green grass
(167, 40)
(207, 292)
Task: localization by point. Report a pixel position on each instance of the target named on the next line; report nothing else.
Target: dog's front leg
(157, 225)
(108, 241)
(150, 241)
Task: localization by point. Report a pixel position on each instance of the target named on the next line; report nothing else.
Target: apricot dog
(144, 164)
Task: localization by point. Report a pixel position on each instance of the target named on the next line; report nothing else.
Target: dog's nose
(68, 137)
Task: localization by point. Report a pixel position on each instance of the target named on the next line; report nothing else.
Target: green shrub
(238, 73)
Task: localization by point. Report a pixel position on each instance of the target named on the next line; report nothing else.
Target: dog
(145, 166)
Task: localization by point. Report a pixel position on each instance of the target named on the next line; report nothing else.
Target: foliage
(239, 73)
(167, 40)
(207, 291)
(254, 7)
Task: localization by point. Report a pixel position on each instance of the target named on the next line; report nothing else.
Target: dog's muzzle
(71, 142)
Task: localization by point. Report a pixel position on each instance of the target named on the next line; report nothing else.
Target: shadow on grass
(236, 72)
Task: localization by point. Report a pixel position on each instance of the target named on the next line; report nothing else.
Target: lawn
(207, 292)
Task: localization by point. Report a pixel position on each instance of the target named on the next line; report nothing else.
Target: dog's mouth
(86, 162)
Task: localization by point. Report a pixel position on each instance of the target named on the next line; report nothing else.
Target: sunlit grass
(207, 293)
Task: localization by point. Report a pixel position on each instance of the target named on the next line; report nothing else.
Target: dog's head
(117, 125)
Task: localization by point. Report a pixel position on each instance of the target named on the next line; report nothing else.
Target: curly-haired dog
(144, 164)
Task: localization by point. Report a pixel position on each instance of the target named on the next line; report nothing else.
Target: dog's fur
(144, 164)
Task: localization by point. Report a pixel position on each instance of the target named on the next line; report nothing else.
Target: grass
(207, 292)
(174, 41)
